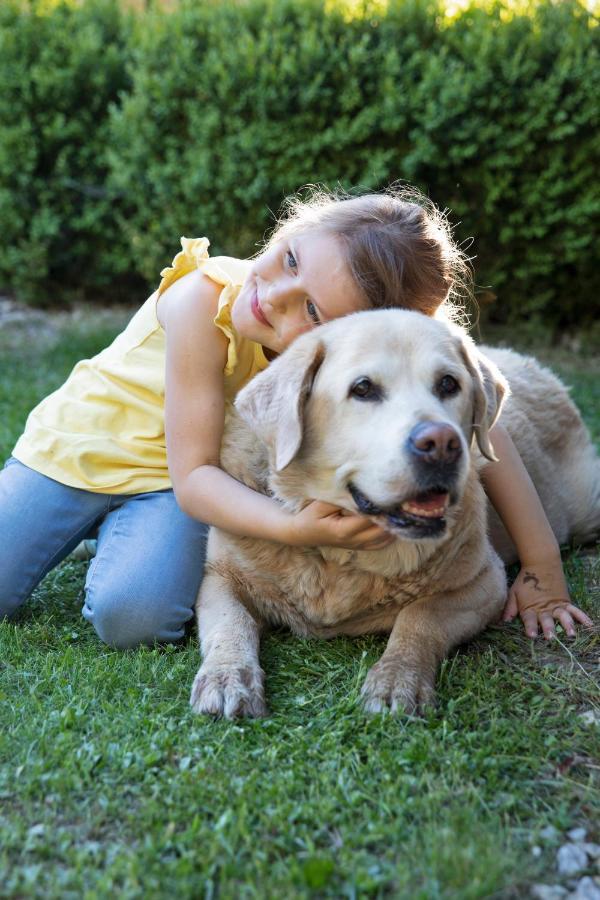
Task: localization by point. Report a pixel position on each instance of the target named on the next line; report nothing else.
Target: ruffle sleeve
(194, 251)
(223, 270)
(223, 321)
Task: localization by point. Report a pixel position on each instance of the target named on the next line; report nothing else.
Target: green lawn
(109, 786)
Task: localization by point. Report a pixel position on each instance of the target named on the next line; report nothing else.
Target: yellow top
(104, 429)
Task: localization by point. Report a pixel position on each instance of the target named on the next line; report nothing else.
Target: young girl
(129, 445)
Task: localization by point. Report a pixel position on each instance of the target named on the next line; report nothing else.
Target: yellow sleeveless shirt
(104, 430)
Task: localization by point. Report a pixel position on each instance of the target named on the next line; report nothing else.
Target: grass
(109, 786)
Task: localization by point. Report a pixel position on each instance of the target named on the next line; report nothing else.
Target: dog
(387, 413)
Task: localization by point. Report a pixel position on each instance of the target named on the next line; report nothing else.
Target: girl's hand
(540, 596)
(324, 525)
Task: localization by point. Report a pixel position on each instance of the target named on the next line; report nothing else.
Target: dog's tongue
(432, 505)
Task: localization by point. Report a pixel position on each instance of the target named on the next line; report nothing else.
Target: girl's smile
(258, 313)
(293, 286)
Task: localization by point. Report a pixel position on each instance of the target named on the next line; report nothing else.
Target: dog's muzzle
(435, 451)
(422, 515)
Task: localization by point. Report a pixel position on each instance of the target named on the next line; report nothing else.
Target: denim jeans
(141, 585)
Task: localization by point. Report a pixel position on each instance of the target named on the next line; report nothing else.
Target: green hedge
(225, 107)
(61, 65)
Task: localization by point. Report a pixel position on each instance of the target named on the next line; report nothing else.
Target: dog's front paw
(234, 692)
(397, 687)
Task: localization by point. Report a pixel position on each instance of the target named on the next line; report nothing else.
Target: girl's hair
(398, 246)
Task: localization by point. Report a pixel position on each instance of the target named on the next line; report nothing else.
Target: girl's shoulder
(197, 294)
(194, 251)
(223, 270)
(192, 298)
(196, 285)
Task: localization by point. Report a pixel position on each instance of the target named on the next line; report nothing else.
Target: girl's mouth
(257, 311)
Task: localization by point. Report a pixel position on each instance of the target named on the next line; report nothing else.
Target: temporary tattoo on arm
(536, 581)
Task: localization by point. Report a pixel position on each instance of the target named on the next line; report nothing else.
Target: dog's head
(377, 412)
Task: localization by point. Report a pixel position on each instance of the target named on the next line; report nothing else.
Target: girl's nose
(280, 296)
(274, 296)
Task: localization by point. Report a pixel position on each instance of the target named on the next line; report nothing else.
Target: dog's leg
(424, 632)
(230, 680)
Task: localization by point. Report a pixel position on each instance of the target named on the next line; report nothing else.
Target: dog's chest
(313, 596)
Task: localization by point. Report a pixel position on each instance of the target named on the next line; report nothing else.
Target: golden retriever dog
(389, 413)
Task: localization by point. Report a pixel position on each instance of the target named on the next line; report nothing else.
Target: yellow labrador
(387, 412)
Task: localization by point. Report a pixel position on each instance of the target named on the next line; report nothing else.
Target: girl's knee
(13, 594)
(127, 621)
(7, 609)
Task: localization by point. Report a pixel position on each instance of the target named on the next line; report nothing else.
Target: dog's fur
(300, 433)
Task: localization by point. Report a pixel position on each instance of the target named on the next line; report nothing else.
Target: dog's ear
(490, 389)
(273, 402)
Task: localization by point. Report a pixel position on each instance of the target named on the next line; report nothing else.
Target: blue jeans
(141, 585)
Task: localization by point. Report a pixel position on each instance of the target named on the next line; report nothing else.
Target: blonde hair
(398, 246)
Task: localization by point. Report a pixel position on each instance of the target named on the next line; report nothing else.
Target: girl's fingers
(365, 535)
(565, 619)
(358, 530)
(361, 527)
(322, 508)
(579, 616)
(530, 621)
(547, 623)
(370, 538)
(566, 614)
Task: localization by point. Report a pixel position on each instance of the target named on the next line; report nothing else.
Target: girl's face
(293, 286)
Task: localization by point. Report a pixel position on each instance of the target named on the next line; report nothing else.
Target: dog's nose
(435, 442)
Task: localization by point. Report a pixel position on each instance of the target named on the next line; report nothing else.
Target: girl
(94, 453)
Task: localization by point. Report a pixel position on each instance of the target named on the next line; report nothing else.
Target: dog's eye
(365, 389)
(447, 386)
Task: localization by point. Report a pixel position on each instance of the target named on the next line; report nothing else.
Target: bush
(264, 97)
(61, 66)
(490, 114)
(232, 105)
(509, 143)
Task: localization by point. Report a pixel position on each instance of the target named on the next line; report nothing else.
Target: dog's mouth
(421, 515)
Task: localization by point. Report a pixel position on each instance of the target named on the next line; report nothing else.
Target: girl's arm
(194, 416)
(539, 594)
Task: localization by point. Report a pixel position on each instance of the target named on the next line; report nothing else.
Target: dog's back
(556, 448)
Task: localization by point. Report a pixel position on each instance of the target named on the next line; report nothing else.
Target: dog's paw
(234, 692)
(398, 688)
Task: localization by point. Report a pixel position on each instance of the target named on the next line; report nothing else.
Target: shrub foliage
(200, 117)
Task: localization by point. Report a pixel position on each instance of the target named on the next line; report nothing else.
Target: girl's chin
(247, 327)
(241, 317)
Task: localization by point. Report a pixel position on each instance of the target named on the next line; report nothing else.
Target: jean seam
(88, 586)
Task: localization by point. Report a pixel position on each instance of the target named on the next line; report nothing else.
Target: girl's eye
(291, 260)
(312, 312)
